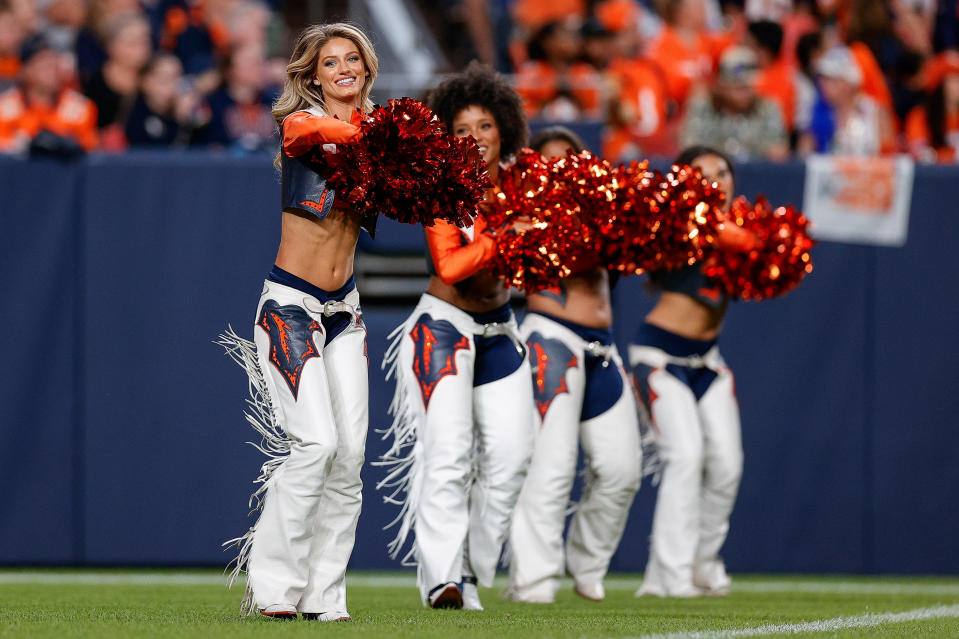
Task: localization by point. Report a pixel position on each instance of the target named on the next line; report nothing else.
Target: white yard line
(868, 620)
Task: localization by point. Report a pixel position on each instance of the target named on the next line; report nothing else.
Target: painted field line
(829, 586)
(869, 620)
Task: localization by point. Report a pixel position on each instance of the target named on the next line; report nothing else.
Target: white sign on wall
(860, 200)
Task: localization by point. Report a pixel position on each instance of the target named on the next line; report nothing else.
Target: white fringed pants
(611, 446)
(304, 536)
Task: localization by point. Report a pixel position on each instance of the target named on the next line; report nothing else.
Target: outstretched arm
(303, 130)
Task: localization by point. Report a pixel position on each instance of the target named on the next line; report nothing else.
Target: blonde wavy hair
(299, 92)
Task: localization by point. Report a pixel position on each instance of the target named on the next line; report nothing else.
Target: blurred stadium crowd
(760, 79)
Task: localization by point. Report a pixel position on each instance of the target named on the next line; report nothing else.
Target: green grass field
(155, 603)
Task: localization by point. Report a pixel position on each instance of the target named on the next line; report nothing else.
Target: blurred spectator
(732, 117)
(41, 115)
(90, 50)
(684, 50)
(932, 129)
(240, 110)
(197, 31)
(853, 123)
(776, 79)
(554, 84)
(12, 34)
(163, 111)
(808, 49)
(248, 22)
(637, 98)
(126, 39)
(63, 21)
(889, 26)
(629, 16)
(534, 14)
(802, 19)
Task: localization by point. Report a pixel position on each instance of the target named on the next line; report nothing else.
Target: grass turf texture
(153, 603)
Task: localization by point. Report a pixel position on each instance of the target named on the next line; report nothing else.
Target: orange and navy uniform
(691, 281)
(72, 116)
(305, 134)
(455, 253)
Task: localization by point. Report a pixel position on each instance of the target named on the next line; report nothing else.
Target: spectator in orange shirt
(684, 50)
(932, 129)
(40, 115)
(635, 88)
(554, 84)
(775, 79)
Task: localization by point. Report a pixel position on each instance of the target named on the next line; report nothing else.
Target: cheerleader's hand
(732, 237)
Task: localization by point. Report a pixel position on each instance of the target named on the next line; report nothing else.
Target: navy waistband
(500, 314)
(677, 345)
(286, 278)
(602, 335)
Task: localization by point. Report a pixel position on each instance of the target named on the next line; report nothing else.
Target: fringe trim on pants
(274, 443)
(402, 460)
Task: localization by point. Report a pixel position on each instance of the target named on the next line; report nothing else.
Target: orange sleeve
(873, 81)
(302, 131)
(453, 261)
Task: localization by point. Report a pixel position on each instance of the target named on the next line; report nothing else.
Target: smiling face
(479, 123)
(340, 72)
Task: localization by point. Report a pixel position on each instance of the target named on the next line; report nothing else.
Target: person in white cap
(862, 126)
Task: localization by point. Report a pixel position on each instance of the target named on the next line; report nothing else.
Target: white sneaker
(327, 616)
(593, 591)
(471, 600)
(530, 597)
(446, 595)
(279, 611)
(711, 577)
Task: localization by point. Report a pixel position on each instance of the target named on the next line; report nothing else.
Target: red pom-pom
(407, 167)
(660, 222)
(778, 262)
(519, 218)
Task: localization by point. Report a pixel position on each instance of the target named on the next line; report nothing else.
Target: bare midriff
(583, 299)
(476, 294)
(319, 251)
(680, 314)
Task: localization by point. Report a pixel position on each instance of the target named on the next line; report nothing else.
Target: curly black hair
(479, 85)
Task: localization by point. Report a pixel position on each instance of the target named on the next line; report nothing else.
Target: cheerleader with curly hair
(463, 428)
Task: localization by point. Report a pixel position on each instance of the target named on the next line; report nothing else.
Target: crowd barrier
(122, 438)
